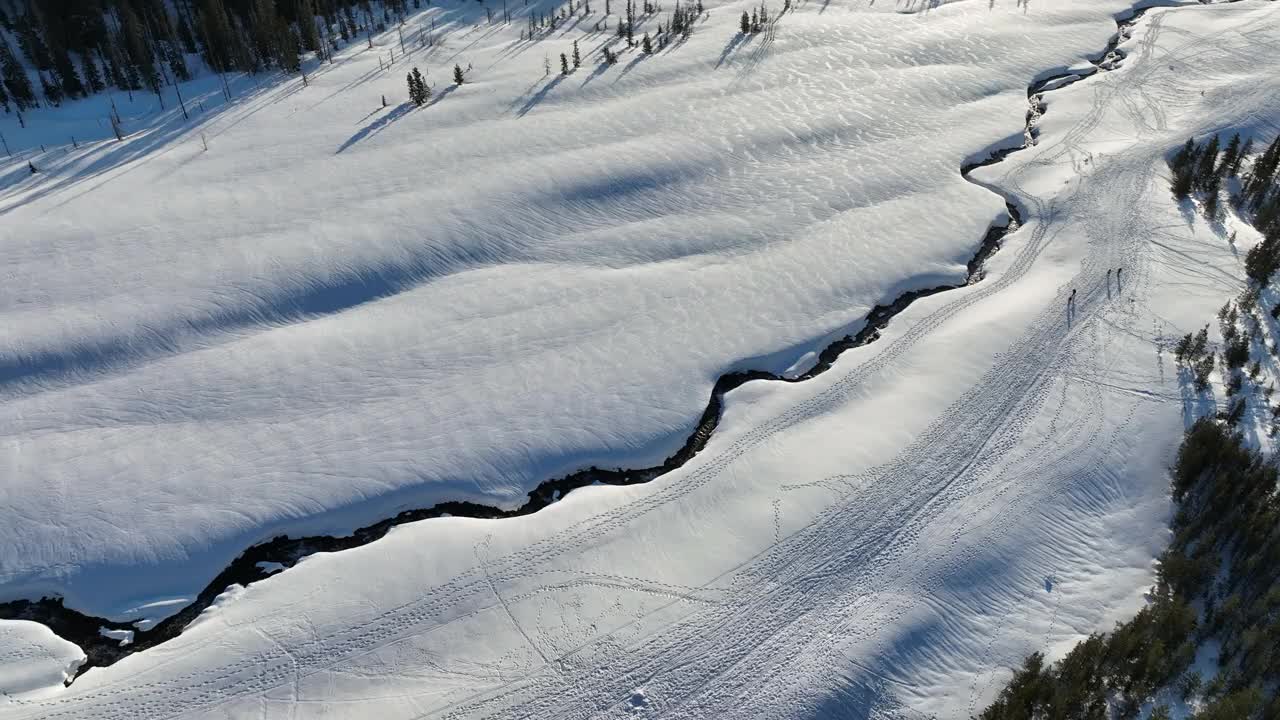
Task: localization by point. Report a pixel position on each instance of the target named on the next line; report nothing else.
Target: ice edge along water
(101, 638)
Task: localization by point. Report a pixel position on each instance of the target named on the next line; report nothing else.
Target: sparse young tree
(577, 59)
(418, 90)
(564, 64)
(457, 75)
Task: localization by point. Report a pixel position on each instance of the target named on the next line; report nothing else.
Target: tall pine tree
(15, 78)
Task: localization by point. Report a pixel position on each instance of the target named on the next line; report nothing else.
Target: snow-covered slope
(985, 480)
(33, 661)
(340, 311)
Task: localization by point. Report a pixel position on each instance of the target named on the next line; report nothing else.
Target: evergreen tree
(177, 64)
(289, 49)
(15, 78)
(1264, 170)
(1240, 156)
(418, 90)
(1211, 192)
(1268, 217)
(564, 64)
(745, 24)
(610, 57)
(457, 75)
(220, 51)
(186, 36)
(1206, 169)
(1185, 156)
(1182, 181)
(647, 44)
(1261, 261)
(52, 90)
(138, 50)
(65, 75)
(577, 59)
(422, 86)
(266, 33)
(32, 43)
(307, 24)
(89, 71)
(1230, 156)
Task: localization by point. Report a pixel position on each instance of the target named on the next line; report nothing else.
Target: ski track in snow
(807, 623)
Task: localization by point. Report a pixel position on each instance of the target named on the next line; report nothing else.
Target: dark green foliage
(82, 46)
(1230, 156)
(647, 45)
(419, 93)
(1236, 352)
(1262, 175)
(1228, 522)
(1182, 182)
(1185, 155)
(1207, 164)
(457, 75)
(577, 59)
(564, 64)
(31, 40)
(66, 75)
(92, 78)
(1240, 156)
(1262, 260)
(1203, 368)
(52, 90)
(744, 25)
(1183, 348)
(15, 79)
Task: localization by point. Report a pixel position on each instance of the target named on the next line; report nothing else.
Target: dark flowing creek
(101, 651)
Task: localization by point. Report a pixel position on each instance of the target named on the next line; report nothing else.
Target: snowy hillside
(340, 311)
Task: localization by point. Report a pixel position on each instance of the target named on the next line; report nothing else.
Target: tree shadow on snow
(532, 102)
(437, 97)
(734, 42)
(376, 126)
(631, 66)
(600, 70)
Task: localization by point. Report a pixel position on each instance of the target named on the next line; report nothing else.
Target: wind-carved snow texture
(265, 559)
(33, 660)
(985, 480)
(206, 350)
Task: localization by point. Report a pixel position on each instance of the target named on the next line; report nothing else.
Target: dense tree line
(79, 47)
(1200, 169)
(1219, 580)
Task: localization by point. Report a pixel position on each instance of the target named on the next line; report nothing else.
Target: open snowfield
(329, 317)
(338, 312)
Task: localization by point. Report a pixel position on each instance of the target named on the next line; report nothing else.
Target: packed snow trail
(771, 577)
